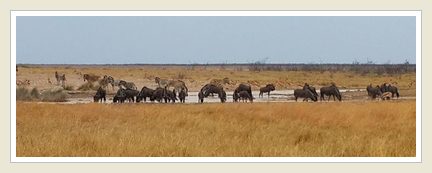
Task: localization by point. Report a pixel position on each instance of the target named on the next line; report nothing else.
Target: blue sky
(180, 40)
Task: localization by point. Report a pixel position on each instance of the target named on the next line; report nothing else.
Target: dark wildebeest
(144, 93)
(100, 94)
(235, 96)
(208, 87)
(243, 87)
(127, 85)
(373, 91)
(212, 89)
(393, 90)
(182, 96)
(384, 87)
(200, 97)
(170, 96)
(330, 91)
(311, 88)
(222, 95)
(120, 96)
(158, 95)
(304, 93)
(244, 95)
(267, 89)
(130, 94)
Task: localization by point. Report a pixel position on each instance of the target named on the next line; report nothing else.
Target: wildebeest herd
(128, 92)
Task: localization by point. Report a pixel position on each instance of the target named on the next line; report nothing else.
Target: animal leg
(268, 94)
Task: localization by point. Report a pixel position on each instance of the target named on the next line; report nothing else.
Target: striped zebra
(178, 85)
(105, 81)
(161, 82)
(127, 85)
(386, 95)
(61, 78)
(220, 82)
(91, 77)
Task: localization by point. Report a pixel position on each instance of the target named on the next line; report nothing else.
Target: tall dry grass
(363, 129)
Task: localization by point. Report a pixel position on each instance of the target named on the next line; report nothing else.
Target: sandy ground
(45, 80)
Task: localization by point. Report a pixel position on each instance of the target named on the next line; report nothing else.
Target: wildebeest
(61, 78)
(200, 97)
(130, 94)
(244, 95)
(304, 93)
(120, 96)
(267, 89)
(158, 94)
(330, 91)
(91, 77)
(100, 94)
(144, 93)
(384, 87)
(222, 96)
(207, 87)
(212, 89)
(373, 91)
(127, 85)
(311, 88)
(393, 90)
(389, 88)
(235, 96)
(182, 96)
(170, 96)
(243, 87)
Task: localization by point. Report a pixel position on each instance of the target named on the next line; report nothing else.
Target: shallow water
(275, 96)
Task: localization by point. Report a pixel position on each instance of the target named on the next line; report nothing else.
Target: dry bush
(68, 88)
(88, 86)
(54, 96)
(347, 129)
(22, 94)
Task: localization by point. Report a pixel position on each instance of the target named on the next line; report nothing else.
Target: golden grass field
(198, 77)
(348, 129)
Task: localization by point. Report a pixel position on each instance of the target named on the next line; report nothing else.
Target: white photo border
(418, 157)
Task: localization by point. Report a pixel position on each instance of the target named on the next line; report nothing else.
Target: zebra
(111, 81)
(60, 78)
(127, 85)
(90, 77)
(220, 82)
(160, 82)
(105, 81)
(178, 86)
